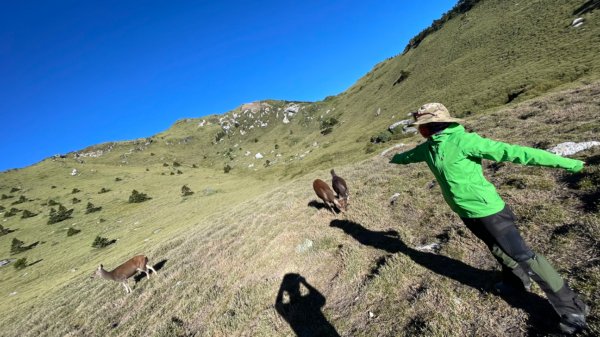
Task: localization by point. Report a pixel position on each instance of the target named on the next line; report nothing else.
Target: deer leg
(145, 271)
(127, 289)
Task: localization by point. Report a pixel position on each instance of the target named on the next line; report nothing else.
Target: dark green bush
(21, 200)
(52, 203)
(4, 231)
(90, 208)
(4, 197)
(226, 168)
(101, 242)
(383, 137)
(17, 247)
(12, 212)
(75, 190)
(2, 208)
(14, 189)
(72, 231)
(136, 197)
(75, 201)
(165, 165)
(20, 263)
(59, 215)
(118, 179)
(185, 191)
(176, 164)
(27, 214)
(103, 190)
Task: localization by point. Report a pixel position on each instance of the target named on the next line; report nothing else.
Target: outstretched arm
(479, 147)
(411, 156)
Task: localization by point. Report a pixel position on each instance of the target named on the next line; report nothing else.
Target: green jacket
(454, 156)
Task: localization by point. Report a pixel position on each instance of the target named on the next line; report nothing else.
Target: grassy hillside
(517, 71)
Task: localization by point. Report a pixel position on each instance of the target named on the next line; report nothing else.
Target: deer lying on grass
(340, 187)
(125, 271)
(324, 192)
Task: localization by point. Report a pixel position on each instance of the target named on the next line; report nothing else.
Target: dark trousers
(519, 262)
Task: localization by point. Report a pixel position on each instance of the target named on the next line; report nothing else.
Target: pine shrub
(90, 208)
(16, 246)
(27, 214)
(20, 263)
(12, 212)
(136, 197)
(75, 201)
(185, 191)
(103, 190)
(72, 231)
(75, 190)
(101, 242)
(59, 215)
(227, 168)
(21, 200)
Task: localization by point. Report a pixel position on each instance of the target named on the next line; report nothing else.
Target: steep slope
(224, 252)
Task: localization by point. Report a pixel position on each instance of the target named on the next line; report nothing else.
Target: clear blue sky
(79, 73)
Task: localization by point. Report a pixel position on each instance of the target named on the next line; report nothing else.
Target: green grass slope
(224, 252)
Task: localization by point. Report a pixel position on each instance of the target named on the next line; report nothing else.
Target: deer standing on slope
(340, 187)
(125, 271)
(324, 192)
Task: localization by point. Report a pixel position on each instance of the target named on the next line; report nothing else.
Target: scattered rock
(432, 247)
(577, 22)
(304, 246)
(569, 148)
(404, 122)
(394, 198)
(13, 293)
(74, 172)
(5, 262)
(258, 156)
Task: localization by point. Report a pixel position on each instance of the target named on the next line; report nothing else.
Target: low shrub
(75, 190)
(75, 201)
(72, 231)
(136, 197)
(90, 208)
(12, 212)
(27, 214)
(227, 168)
(59, 215)
(21, 200)
(4, 231)
(103, 190)
(20, 263)
(101, 242)
(185, 191)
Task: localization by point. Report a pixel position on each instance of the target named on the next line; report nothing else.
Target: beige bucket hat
(433, 113)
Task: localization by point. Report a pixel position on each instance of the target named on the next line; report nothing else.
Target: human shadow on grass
(158, 266)
(588, 6)
(540, 312)
(303, 312)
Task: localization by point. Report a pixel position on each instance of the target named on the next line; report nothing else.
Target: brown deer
(125, 271)
(324, 192)
(340, 187)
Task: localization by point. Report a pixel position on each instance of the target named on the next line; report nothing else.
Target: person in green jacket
(454, 157)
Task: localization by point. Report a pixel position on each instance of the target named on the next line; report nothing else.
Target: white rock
(74, 172)
(577, 22)
(432, 247)
(304, 246)
(569, 148)
(247, 153)
(285, 120)
(258, 156)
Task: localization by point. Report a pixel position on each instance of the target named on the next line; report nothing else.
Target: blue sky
(79, 73)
